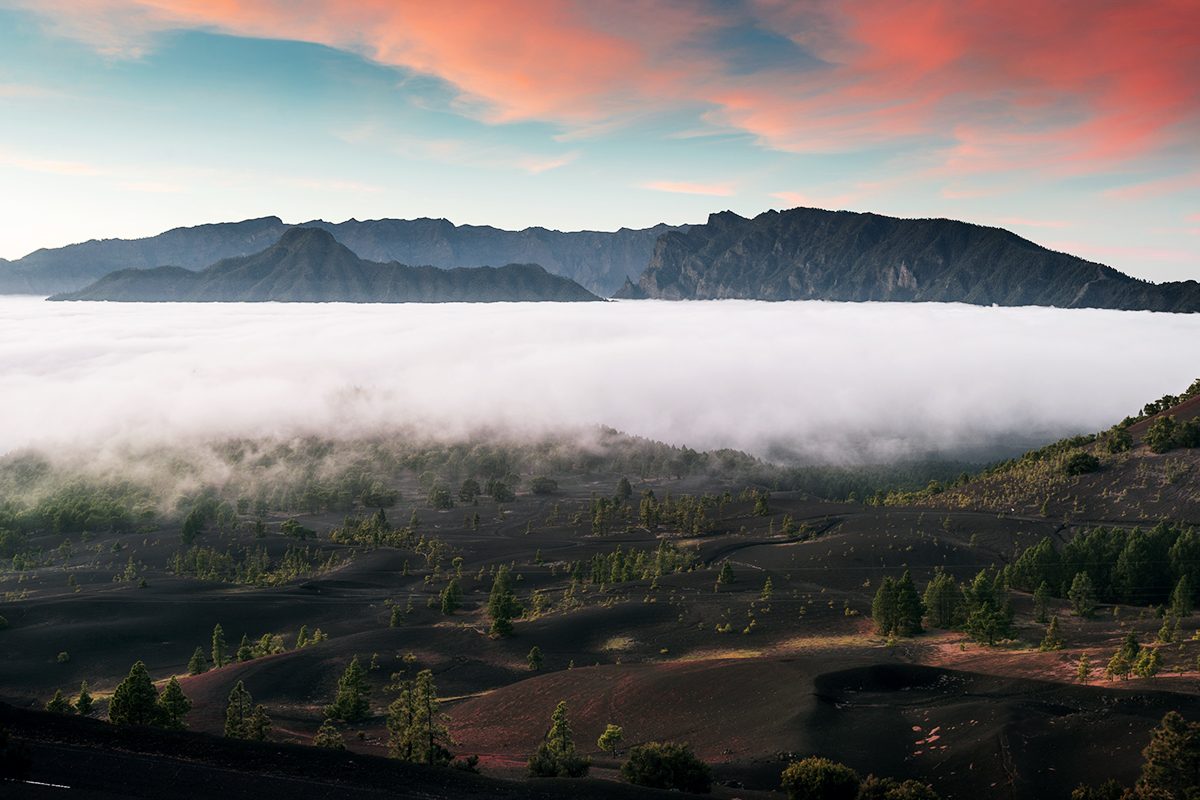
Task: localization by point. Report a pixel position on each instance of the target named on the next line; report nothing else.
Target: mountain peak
(301, 236)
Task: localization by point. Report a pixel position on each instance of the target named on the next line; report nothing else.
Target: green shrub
(817, 778)
(667, 765)
(1081, 463)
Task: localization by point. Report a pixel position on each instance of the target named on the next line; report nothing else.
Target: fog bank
(817, 381)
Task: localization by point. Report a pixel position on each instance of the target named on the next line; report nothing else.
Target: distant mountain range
(810, 254)
(801, 254)
(597, 260)
(309, 265)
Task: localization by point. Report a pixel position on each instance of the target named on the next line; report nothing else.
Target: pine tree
(767, 590)
(1082, 595)
(173, 705)
(988, 624)
(943, 600)
(883, 606)
(244, 651)
(135, 700)
(1148, 663)
(1181, 598)
(534, 658)
(1166, 632)
(302, 637)
(58, 704)
(259, 724)
(196, 664)
(1118, 666)
(1053, 639)
(909, 609)
(400, 716)
(329, 736)
(1171, 766)
(556, 756)
(84, 703)
(502, 606)
(451, 597)
(218, 646)
(1083, 669)
(430, 734)
(1129, 647)
(624, 490)
(1041, 603)
(610, 740)
(351, 704)
(726, 576)
(238, 712)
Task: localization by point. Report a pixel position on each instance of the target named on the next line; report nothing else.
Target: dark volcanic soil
(749, 681)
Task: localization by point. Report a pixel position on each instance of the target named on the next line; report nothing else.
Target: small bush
(667, 765)
(543, 485)
(818, 778)
(1081, 463)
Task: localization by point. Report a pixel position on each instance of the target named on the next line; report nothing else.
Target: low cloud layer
(816, 381)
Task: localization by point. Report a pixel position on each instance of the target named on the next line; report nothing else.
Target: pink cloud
(998, 84)
(1155, 188)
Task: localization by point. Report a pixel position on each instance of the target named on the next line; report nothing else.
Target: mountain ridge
(310, 265)
(813, 254)
(598, 260)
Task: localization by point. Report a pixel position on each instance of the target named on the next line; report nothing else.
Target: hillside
(597, 260)
(309, 265)
(1133, 478)
(811, 254)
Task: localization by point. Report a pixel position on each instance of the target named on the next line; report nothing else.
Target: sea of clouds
(812, 381)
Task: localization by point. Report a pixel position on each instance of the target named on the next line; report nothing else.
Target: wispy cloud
(1159, 187)
(1110, 253)
(332, 185)
(689, 187)
(834, 201)
(51, 166)
(1029, 222)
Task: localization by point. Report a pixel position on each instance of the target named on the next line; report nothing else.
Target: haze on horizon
(840, 383)
(1073, 124)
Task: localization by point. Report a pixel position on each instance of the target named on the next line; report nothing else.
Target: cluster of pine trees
(636, 564)
(251, 566)
(1139, 567)
(980, 607)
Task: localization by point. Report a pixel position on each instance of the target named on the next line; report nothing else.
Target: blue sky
(125, 118)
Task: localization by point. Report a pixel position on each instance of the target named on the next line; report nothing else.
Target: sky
(1075, 123)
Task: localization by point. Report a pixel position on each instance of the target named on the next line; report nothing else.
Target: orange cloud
(997, 84)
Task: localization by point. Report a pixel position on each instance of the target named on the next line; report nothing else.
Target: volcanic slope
(737, 620)
(1128, 482)
(309, 265)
